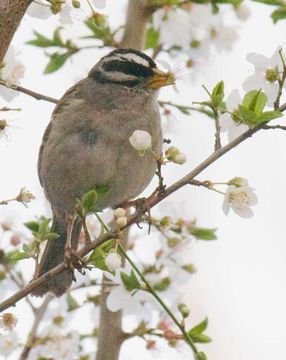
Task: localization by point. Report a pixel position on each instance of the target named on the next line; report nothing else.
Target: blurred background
(240, 278)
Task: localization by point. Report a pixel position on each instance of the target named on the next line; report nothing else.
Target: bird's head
(132, 69)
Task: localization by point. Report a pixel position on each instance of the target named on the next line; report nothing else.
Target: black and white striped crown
(126, 67)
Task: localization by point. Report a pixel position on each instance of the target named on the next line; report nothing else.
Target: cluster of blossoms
(8, 341)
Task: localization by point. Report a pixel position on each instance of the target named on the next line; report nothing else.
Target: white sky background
(240, 283)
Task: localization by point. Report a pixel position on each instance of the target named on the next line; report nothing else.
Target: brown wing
(70, 95)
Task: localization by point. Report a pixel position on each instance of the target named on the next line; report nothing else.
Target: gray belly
(73, 167)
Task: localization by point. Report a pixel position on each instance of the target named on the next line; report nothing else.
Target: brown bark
(11, 14)
(137, 17)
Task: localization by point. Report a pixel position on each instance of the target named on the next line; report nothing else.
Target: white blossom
(113, 261)
(180, 159)
(141, 140)
(174, 26)
(239, 199)
(64, 347)
(8, 321)
(39, 10)
(266, 73)
(119, 297)
(8, 343)
(222, 36)
(226, 121)
(11, 73)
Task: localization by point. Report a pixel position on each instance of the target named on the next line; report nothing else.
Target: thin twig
(29, 92)
(150, 289)
(217, 145)
(273, 127)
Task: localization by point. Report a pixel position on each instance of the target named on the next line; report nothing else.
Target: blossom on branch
(267, 72)
(239, 199)
(228, 120)
(11, 71)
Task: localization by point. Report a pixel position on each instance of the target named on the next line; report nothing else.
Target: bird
(86, 145)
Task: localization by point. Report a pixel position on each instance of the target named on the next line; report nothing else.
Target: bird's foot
(73, 260)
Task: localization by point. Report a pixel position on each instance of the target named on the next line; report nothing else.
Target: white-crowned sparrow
(86, 145)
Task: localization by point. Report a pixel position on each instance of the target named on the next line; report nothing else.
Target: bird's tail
(54, 254)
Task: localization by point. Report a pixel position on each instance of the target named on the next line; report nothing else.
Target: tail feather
(54, 254)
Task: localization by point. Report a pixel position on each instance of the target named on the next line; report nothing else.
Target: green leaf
(72, 303)
(16, 255)
(130, 282)
(198, 329)
(255, 101)
(279, 14)
(152, 38)
(97, 259)
(200, 356)
(270, 2)
(218, 94)
(269, 115)
(32, 225)
(41, 41)
(51, 236)
(201, 338)
(89, 201)
(247, 116)
(56, 62)
(162, 285)
(203, 233)
(102, 190)
(57, 37)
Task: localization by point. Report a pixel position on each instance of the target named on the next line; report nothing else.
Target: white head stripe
(127, 57)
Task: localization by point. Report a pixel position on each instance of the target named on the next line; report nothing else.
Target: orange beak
(160, 79)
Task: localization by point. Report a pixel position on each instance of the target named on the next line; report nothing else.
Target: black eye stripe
(128, 67)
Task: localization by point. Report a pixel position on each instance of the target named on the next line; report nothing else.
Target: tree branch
(138, 14)
(11, 14)
(32, 93)
(134, 218)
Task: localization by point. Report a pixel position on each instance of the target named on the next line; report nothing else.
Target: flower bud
(141, 140)
(180, 159)
(184, 310)
(121, 221)
(113, 261)
(119, 212)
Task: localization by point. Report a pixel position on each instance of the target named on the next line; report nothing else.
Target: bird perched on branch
(86, 145)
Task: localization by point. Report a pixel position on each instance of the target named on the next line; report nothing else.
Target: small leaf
(279, 14)
(152, 38)
(203, 233)
(32, 225)
(218, 94)
(102, 190)
(72, 303)
(255, 101)
(269, 115)
(247, 116)
(198, 329)
(56, 62)
(130, 282)
(201, 338)
(16, 255)
(162, 285)
(41, 41)
(57, 37)
(200, 356)
(89, 201)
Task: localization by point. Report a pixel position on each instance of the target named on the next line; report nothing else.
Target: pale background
(241, 278)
